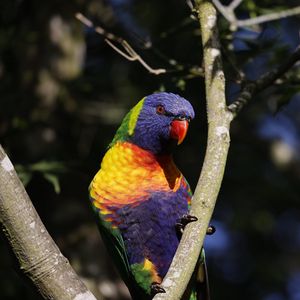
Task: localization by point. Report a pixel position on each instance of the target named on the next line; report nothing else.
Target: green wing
(202, 284)
(115, 244)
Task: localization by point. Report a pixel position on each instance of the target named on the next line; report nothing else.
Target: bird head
(157, 122)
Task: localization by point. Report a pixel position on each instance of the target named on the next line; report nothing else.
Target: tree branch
(38, 256)
(209, 183)
(252, 88)
(269, 17)
(229, 14)
(226, 11)
(129, 53)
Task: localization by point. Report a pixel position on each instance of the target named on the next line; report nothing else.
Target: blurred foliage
(49, 171)
(64, 92)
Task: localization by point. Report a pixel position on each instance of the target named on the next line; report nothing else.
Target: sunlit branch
(269, 17)
(229, 14)
(129, 53)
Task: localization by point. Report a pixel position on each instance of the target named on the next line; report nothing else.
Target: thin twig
(229, 14)
(130, 54)
(87, 22)
(269, 17)
(225, 11)
(267, 79)
(119, 51)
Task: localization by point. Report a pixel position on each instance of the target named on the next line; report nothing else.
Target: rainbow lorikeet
(140, 198)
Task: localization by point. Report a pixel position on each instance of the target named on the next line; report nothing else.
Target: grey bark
(211, 176)
(38, 256)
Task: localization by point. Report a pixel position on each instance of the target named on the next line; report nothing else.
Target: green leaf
(53, 179)
(46, 166)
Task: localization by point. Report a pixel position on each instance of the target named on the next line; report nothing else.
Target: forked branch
(128, 52)
(228, 13)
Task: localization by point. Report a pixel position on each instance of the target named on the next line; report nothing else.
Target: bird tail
(202, 283)
(198, 287)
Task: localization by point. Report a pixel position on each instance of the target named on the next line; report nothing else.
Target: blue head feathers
(156, 122)
(153, 128)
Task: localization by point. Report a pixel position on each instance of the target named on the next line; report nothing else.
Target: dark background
(63, 92)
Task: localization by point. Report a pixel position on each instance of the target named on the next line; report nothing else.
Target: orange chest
(129, 173)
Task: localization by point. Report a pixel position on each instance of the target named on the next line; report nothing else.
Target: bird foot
(211, 230)
(156, 289)
(185, 219)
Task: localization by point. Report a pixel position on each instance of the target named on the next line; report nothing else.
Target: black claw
(156, 289)
(211, 230)
(179, 227)
(184, 220)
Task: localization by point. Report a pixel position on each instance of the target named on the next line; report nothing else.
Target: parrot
(140, 198)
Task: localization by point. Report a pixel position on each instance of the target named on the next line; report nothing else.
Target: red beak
(178, 130)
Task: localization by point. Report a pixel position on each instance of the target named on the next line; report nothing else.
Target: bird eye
(160, 110)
